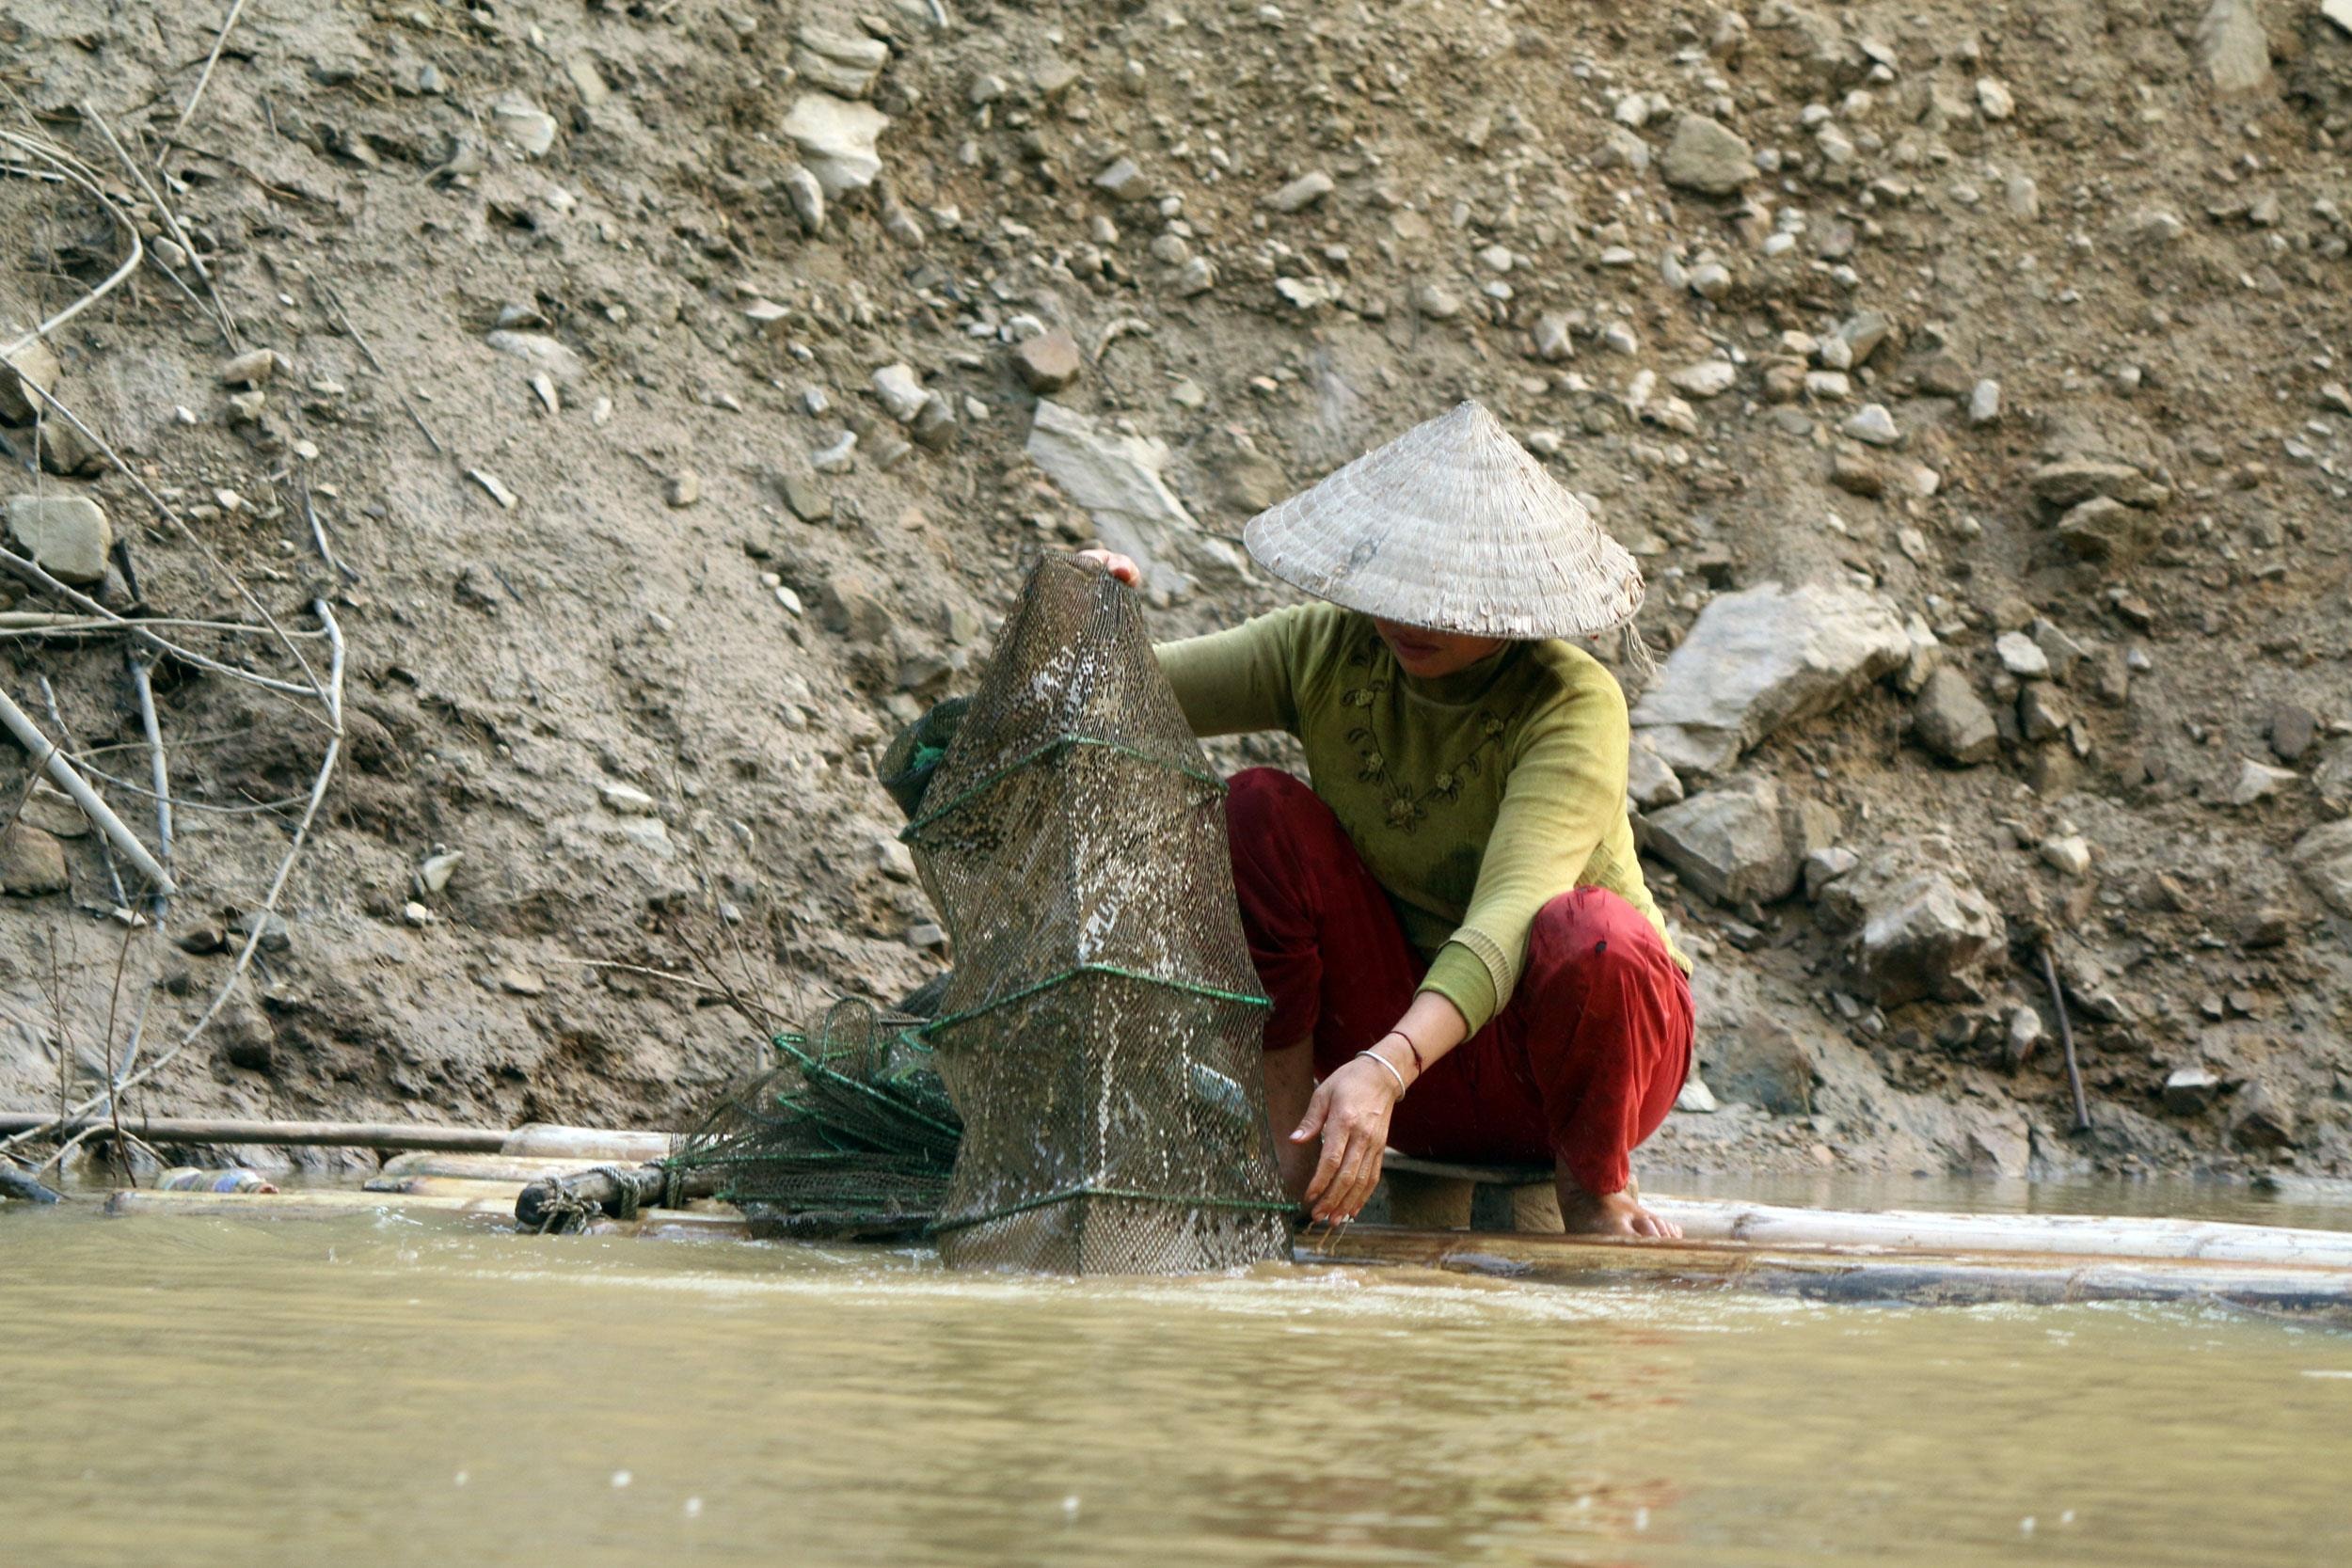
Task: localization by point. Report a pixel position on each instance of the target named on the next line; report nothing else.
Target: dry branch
(47, 755)
(80, 174)
(211, 60)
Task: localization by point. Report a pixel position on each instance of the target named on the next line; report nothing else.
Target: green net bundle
(852, 1135)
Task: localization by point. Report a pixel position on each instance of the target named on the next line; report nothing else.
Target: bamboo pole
(1843, 1274)
(481, 1167)
(222, 1130)
(587, 1145)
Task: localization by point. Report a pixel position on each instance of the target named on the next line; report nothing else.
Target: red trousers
(1579, 1066)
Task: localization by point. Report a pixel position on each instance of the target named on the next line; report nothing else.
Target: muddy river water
(375, 1389)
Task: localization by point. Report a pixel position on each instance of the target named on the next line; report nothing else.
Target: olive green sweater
(1475, 799)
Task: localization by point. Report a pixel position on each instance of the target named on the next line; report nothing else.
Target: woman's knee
(1591, 931)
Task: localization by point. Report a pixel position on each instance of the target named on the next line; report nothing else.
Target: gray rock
(1195, 278)
(2323, 856)
(1761, 1063)
(33, 366)
(1951, 720)
(1874, 425)
(2293, 729)
(808, 500)
(901, 392)
(1303, 192)
(1824, 866)
(1763, 658)
(2064, 653)
(2232, 48)
(841, 64)
(1117, 480)
(1984, 403)
(1049, 363)
(2076, 480)
(253, 368)
(807, 195)
(1552, 338)
(2042, 711)
(2069, 856)
(1123, 180)
(2021, 655)
(1705, 155)
(1919, 926)
(524, 123)
(2103, 528)
(277, 936)
(1649, 782)
(67, 536)
(1435, 303)
(2258, 781)
(835, 137)
(1740, 840)
(1707, 378)
(2262, 1121)
(2190, 1091)
(31, 862)
(540, 351)
(1696, 1097)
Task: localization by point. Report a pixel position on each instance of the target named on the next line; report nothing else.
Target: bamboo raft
(1915, 1258)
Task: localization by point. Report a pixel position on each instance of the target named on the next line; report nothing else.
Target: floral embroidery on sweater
(1407, 806)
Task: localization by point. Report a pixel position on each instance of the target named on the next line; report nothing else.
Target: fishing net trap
(1086, 1097)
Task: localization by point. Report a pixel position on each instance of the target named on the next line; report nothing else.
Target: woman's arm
(1228, 682)
(1352, 1108)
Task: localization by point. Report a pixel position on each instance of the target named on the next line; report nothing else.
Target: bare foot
(1618, 1213)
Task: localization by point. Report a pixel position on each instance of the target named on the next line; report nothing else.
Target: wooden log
(1846, 1273)
(587, 1145)
(1418, 1201)
(225, 1130)
(445, 1186)
(2076, 1235)
(311, 1203)
(23, 1188)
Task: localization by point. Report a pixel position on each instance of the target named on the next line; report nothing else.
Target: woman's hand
(1122, 567)
(1351, 1109)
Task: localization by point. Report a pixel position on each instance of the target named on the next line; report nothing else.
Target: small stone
(806, 499)
(926, 935)
(624, 801)
(434, 874)
(2262, 1121)
(1303, 192)
(1121, 181)
(24, 375)
(1707, 378)
(1705, 155)
(2190, 1091)
(2323, 856)
(1048, 363)
(901, 392)
(683, 489)
(1435, 303)
(2042, 713)
(531, 128)
(1873, 424)
(540, 351)
(2258, 781)
(2069, 856)
(837, 458)
(807, 195)
(2070, 483)
(2233, 48)
(2102, 529)
(2023, 195)
(1984, 403)
(1951, 720)
(1649, 782)
(67, 536)
(2339, 12)
(835, 137)
(416, 913)
(2292, 731)
(276, 935)
(201, 941)
(253, 369)
(2023, 1034)
(31, 862)
(2021, 657)
(520, 982)
(1696, 1097)
(1824, 866)
(1994, 99)
(1195, 278)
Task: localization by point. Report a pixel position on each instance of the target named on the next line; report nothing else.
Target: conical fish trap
(1100, 1035)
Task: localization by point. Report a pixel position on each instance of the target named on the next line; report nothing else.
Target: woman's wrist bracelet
(1390, 1066)
(1419, 1066)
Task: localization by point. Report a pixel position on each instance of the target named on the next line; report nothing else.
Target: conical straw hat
(1453, 526)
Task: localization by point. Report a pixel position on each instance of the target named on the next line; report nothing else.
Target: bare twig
(46, 756)
(318, 536)
(328, 297)
(210, 60)
(2066, 1039)
(143, 689)
(258, 922)
(171, 222)
(65, 739)
(80, 174)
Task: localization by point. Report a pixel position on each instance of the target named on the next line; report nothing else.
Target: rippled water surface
(378, 1390)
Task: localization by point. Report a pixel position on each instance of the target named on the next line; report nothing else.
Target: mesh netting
(1085, 1096)
(1100, 1033)
(852, 1135)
